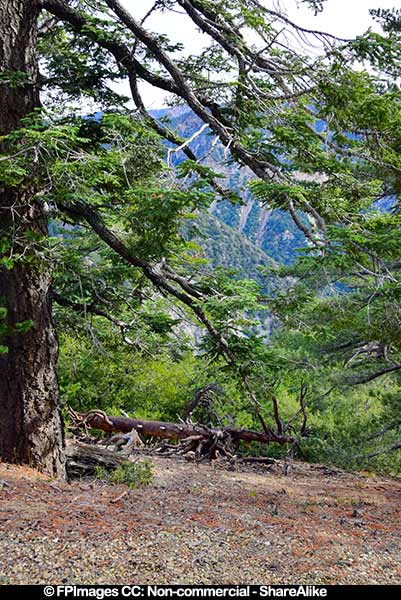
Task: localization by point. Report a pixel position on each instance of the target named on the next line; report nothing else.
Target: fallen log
(197, 438)
(82, 459)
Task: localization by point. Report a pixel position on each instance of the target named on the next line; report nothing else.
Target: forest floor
(202, 524)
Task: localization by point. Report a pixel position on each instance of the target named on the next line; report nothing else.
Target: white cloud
(344, 18)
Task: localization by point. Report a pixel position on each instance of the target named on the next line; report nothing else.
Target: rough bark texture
(82, 459)
(31, 430)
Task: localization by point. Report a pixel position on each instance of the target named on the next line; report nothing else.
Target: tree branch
(377, 374)
(121, 52)
(188, 294)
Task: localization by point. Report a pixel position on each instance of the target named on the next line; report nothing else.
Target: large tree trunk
(31, 429)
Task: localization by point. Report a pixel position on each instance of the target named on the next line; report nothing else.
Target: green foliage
(390, 19)
(77, 69)
(134, 474)
(13, 79)
(114, 377)
(3, 328)
(350, 430)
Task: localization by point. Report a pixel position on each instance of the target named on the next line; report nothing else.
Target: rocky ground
(202, 524)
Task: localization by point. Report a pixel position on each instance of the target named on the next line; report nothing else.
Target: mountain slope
(271, 232)
(226, 247)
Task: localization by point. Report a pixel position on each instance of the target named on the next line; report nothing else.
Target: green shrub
(116, 377)
(134, 474)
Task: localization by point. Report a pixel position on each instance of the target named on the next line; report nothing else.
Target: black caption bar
(102, 592)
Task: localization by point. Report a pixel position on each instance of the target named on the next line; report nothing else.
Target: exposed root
(206, 445)
(86, 421)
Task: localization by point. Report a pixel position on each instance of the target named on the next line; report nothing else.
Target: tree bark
(82, 459)
(31, 428)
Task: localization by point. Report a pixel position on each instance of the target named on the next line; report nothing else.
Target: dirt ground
(203, 523)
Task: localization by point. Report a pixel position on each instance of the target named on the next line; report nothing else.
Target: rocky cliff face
(269, 231)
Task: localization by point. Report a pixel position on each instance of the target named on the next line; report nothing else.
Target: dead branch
(125, 442)
(279, 422)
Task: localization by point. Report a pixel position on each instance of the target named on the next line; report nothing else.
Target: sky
(344, 18)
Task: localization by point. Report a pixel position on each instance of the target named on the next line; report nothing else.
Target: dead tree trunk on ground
(82, 459)
(206, 442)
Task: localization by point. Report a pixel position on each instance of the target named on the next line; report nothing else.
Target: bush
(134, 474)
(116, 377)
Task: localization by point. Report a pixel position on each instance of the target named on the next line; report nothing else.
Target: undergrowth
(133, 474)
